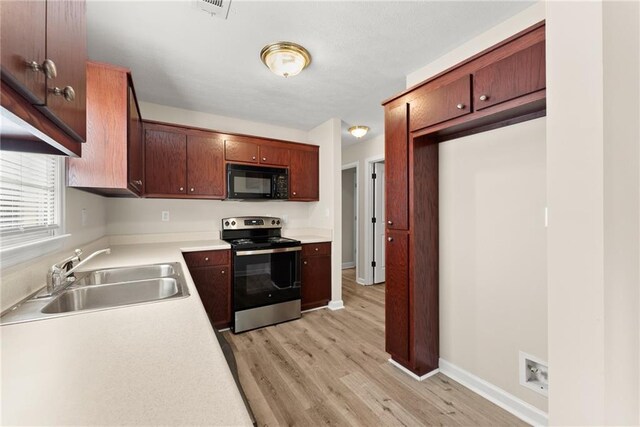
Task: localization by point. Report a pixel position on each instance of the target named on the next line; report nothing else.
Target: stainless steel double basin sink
(104, 289)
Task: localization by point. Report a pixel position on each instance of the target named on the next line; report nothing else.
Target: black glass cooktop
(262, 243)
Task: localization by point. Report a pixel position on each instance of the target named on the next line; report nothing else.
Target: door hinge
(373, 176)
(373, 220)
(373, 263)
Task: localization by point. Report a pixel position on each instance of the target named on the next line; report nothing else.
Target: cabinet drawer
(207, 258)
(516, 75)
(240, 151)
(274, 155)
(438, 105)
(313, 249)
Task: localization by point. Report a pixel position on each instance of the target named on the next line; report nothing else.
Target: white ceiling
(361, 53)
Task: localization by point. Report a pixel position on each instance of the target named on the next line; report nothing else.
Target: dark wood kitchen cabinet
(183, 162)
(304, 178)
(112, 159)
(397, 171)
(43, 75)
(316, 275)
(500, 86)
(239, 149)
(211, 273)
(165, 155)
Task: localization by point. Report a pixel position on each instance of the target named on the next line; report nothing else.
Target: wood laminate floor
(330, 368)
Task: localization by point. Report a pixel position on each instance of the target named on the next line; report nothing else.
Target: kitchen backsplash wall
(144, 216)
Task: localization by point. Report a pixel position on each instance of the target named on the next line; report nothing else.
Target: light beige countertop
(156, 363)
(305, 239)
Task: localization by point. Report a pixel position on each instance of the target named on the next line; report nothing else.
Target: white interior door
(378, 234)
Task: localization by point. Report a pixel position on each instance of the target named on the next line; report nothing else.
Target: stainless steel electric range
(266, 272)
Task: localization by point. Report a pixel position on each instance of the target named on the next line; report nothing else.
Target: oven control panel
(251, 222)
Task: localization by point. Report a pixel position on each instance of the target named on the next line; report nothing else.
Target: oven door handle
(269, 251)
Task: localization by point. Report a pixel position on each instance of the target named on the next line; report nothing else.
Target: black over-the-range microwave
(256, 182)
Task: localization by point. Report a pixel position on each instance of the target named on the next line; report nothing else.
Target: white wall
(21, 280)
(361, 153)
(592, 158)
(348, 216)
(328, 212)
(493, 285)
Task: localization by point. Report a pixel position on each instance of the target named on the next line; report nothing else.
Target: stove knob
(226, 223)
(278, 222)
(273, 221)
(233, 223)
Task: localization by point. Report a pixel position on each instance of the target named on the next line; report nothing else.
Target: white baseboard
(510, 403)
(346, 265)
(336, 305)
(411, 374)
(315, 309)
(360, 281)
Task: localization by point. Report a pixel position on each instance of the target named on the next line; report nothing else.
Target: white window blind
(29, 198)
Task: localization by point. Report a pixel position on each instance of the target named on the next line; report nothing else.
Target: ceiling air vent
(217, 8)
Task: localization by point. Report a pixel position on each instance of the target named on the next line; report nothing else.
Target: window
(31, 201)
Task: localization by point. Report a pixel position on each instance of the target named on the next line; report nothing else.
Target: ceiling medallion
(285, 59)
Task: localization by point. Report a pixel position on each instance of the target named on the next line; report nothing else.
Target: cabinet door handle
(181, 188)
(48, 67)
(294, 193)
(460, 106)
(222, 272)
(390, 222)
(253, 157)
(316, 249)
(68, 93)
(484, 97)
(305, 263)
(206, 258)
(264, 159)
(390, 239)
(192, 189)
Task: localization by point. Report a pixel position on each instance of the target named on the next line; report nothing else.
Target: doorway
(378, 221)
(350, 216)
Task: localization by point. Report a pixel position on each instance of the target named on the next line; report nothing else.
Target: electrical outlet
(285, 219)
(165, 215)
(83, 217)
(534, 374)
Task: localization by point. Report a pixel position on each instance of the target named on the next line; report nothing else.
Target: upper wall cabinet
(239, 149)
(112, 159)
(304, 174)
(43, 75)
(441, 104)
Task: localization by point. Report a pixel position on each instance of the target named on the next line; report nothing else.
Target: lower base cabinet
(316, 275)
(211, 273)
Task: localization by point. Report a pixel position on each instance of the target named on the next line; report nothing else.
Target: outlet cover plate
(534, 373)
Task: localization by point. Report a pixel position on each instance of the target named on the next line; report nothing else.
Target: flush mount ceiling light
(285, 58)
(358, 131)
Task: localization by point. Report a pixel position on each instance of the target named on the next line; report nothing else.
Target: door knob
(483, 97)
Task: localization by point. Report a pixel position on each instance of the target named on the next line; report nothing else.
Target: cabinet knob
(222, 272)
(68, 93)
(390, 239)
(294, 193)
(483, 97)
(305, 263)
(253, 157)
(48, 67)
(460, 106)
(264, 159)
(316, 249)
(181, 188)
(192, 189)
(390, 222)
(206, 258)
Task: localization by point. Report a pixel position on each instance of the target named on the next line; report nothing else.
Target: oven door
(251, 182)
(265, 277)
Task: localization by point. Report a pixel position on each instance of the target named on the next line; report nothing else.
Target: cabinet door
(240, 151)
(135, 144)
(444, 103)
(22, 37)
(397, 295)
(304, 175)
(274, 155)
(396, 167)
(67, 48)
(205, 166)
(214, 287)
(516, 75)
(165, 162)
(316, 281)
